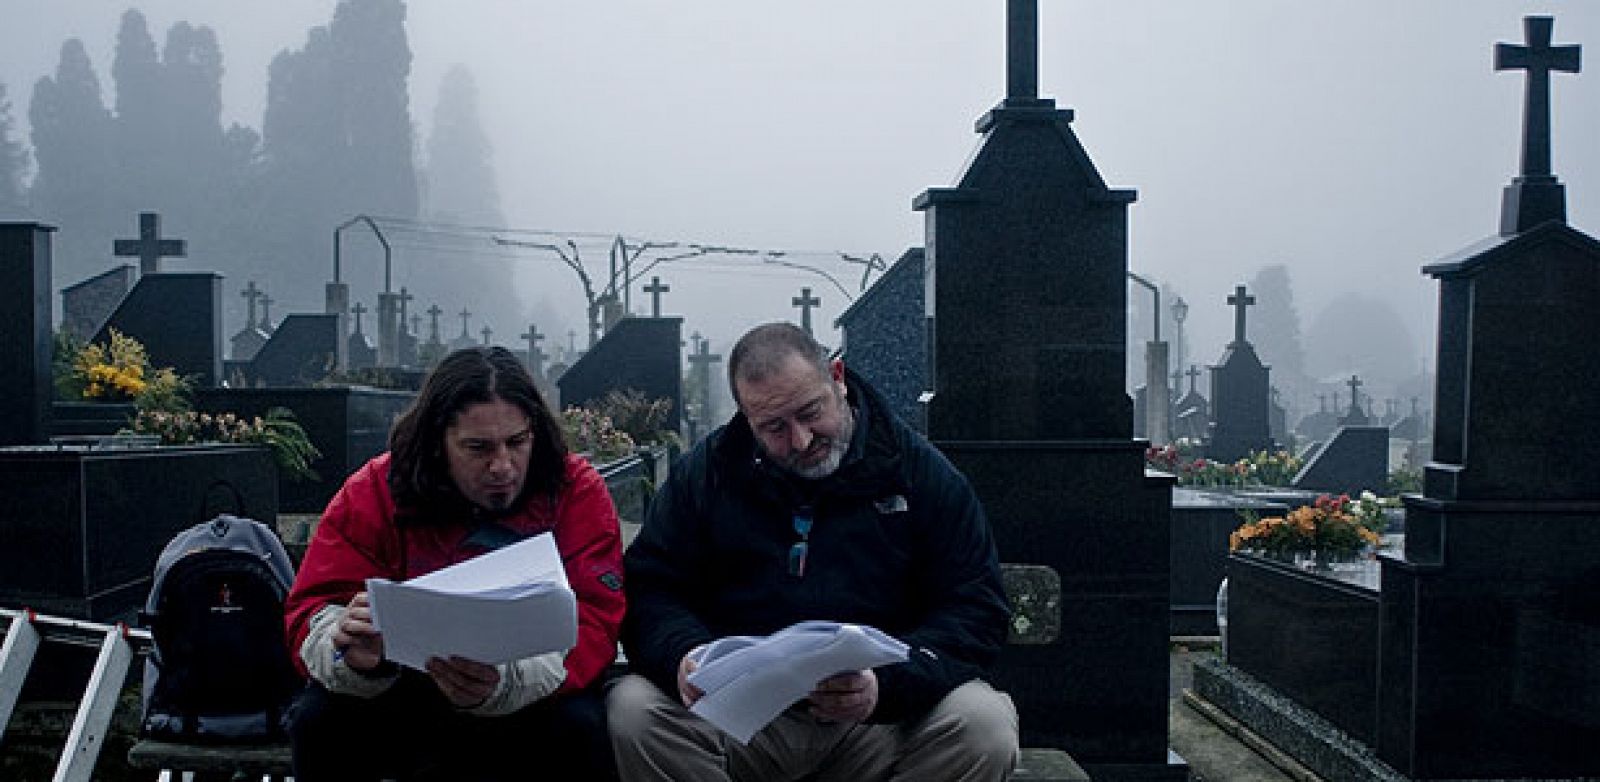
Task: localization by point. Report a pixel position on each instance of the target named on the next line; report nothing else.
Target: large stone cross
(1355, 394)
(150, 248)
(464, 315)
(655, 289)
(250, 294)
(1022, 49)
(1194, 374)
(487, 333)
(1240, 299)
(1538, 58)
(359, 309)
(266, 311)
(805, 301)
(433, 322)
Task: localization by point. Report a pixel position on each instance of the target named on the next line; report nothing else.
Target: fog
(1353, 141)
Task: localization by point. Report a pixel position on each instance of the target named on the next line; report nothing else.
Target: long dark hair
(419, 471)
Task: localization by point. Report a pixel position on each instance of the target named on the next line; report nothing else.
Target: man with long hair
(815, 503)
(476, 463)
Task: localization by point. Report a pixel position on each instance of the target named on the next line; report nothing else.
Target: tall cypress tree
(13, 164)
(460, 175)
(74, 185)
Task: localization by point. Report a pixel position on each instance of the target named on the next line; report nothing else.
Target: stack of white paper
(502, 606)
(748, 681)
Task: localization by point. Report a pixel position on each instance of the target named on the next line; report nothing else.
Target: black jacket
(899, 542)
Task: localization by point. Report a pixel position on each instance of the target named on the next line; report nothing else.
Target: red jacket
(357, 539)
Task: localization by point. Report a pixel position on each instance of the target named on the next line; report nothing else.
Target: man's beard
(837, 447)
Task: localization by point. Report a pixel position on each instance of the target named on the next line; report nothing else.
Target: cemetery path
(1214, 753)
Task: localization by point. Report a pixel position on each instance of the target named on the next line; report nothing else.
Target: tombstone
(87, 304)
(642, 354)
(359, 350)
(1319, 426)
(249, 339)
(1192, 417)
(1490, 617)
(1415, 426)
(535, 358)
(429, 353)
(388, 329)
(1278, 419)
(266, 314)
(406, 338)
(25, 342)
(177, 316)
(700, 385)
(463, 340)
(805, 301)
(302, 351)
(1355, 415)
(1485, 627)
(487, 333)
(1240, 396)
(1028, 401)
(1356, 459)
(884, 336)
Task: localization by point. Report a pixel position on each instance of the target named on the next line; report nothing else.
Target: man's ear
(836, 371)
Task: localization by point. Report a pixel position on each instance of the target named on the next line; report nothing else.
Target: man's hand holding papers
(748, 681)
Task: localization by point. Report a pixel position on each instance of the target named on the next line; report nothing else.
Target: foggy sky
(1352, 141)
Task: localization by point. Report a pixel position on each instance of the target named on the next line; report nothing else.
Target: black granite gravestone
(1028, 402)
(177, 316)
(302, 351)
(1356, 459)
(642, 354)
(25, 321)
(1240, 395)
(885, 336)
(1489, 611)
(86, 305)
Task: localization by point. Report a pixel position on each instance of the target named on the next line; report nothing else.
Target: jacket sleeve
(967, 617)
(664, 565)
(344, 552)
(590, 541)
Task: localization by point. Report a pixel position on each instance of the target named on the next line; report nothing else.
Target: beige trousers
(969, 736)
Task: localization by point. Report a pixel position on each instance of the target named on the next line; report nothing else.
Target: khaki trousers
(969, 736)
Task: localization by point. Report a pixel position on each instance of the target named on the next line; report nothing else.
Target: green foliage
(278, 430)
(372, 377)
(1406, 480)
(591, 433)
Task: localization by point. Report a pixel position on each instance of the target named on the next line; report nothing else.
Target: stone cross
(1322, 403)
(1194, 374)
(487, 333)
(1355, 394)
(532, 335)
(1022, 49)
(703, 355)
(266, 312)
(655, 289)
(250, 294)
(805, 301)
(359, 309)
(1240, 299)
(403, 298)
(150, 248)
(433, 322)
(416, 324)
(464, 315)
(1538, 58)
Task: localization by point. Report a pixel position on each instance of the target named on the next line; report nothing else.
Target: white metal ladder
(119, 646)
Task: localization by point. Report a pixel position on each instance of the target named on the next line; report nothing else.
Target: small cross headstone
(250, 294)
(1240, 299)
(266, 313)
(464, 315)
(1355, 416)
(358, 309)
(533, 337)
(655, 289)
(416, 324)
(433, 322)
(150, 248)
(403, 298)
(805, 301)
(1194, 375)
(487, 333)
